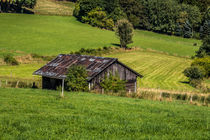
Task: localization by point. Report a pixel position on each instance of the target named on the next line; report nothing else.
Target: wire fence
(20, 83)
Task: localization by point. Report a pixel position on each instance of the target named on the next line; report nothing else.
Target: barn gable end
(123, 72)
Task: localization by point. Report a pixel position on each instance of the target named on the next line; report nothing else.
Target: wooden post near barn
(62, 95)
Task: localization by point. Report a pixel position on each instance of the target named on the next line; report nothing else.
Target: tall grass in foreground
(41, 114)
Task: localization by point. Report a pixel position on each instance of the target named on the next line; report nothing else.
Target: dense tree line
(180, 17)
(201, 4)
(16, 5)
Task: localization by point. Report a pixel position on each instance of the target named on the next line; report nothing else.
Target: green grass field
(52, 35)
(22, 71)
(41, 114)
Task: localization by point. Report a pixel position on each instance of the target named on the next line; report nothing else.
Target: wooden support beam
(62, 94)
(89, 86)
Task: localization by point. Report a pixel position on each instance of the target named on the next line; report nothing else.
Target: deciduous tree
(124, 30)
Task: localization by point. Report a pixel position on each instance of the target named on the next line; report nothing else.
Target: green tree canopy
(124, 30)
(204, 49)
(77, 79)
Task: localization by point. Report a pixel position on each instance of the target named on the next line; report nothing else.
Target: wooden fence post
(0, 83)
(191, 98)
(160, 96)
(62, 95)
(17, 84)
(6, 83)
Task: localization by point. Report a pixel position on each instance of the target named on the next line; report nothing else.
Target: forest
(187, 18)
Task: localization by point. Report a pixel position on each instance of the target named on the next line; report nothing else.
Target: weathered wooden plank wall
(123, 72)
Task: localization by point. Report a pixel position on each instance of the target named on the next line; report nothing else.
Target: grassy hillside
(37, 114)
(51, 35)
(159, 70)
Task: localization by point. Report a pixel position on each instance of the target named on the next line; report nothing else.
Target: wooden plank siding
(124, 74)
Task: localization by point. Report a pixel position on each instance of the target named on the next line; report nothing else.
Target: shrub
(16, 5)
(76, 79)
(194, 72)
(202, 99)
(112, 83)
(177, 96)
(98, 51)
(98, 18)
(184, 97)
(208, 99)
(166, 95)
(195, 97)
(34, 55)
(195, 83)
(204, 63)
(10, 60)
(147, 95)
(76, 9)
(180, 96)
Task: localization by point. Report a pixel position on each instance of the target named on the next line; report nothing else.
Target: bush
(112, 83)
(195, 83)
(208, 99)
(180, 96)
(195, 97)
(16, 5)
(10, 60)
(204, 63)
(76, 79)
(202, 99)
(184, 97)
(166, 95)
(98, 51)
(34, 55)
(45, 58)
(98, 18)
(177, 96)
(194, 72)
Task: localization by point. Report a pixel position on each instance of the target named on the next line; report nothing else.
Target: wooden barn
(54, 72)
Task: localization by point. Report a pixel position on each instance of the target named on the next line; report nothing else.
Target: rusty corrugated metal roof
(58, 67)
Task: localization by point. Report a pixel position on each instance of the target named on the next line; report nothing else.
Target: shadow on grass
(117, 45)
(184, 82)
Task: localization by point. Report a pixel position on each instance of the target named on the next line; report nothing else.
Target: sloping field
(52, 35)
(159, 70)
(40, 114)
